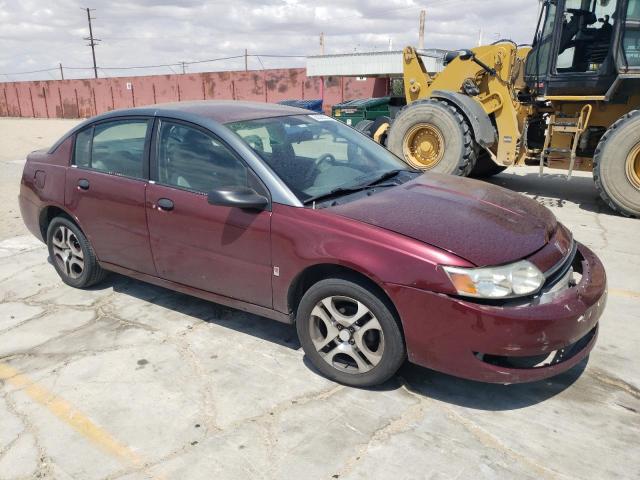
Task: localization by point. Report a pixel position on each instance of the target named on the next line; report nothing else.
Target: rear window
(82, 153)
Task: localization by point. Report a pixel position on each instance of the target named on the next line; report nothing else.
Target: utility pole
(246, 61)
(322, 43)
(61, 71)
(183, 69)
(423, 14)
(92, 42)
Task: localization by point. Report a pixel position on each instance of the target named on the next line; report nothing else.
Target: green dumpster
(353, 112)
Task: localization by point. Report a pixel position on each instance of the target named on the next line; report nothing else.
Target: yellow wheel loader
(568, 100)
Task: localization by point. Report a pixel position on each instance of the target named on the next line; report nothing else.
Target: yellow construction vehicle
(568, 100)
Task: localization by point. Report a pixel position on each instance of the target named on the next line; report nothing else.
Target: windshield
(316, 155)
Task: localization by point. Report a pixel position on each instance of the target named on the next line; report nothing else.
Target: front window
(587, 30)
(316, 155)
(190, 158)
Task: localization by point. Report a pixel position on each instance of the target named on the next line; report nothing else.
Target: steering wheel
(325, 158)
(590, 17)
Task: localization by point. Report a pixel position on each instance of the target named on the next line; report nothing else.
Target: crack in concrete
(62, 335)
(603, 231)
(488, 439)
(43, 469)
(613, 381)
(9, 445)
(401, 424)
(208, 407)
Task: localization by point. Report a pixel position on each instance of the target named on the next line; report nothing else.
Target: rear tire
(616, 165)
(364, 126)
(485, 167)
(433, 135)
(72, 255)
(349, 334)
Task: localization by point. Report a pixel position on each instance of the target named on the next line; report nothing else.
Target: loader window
(585, 39)
(538, 60)
(631, 39)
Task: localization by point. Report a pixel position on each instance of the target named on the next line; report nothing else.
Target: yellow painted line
(624, 293)
(69, 415)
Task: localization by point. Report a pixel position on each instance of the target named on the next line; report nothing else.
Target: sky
(39, 34)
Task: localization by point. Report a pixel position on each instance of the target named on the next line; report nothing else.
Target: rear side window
(114, 147)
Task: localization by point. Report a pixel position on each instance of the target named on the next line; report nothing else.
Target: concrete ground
(129, 380)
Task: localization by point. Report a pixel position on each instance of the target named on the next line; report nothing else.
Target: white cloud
(36, 34)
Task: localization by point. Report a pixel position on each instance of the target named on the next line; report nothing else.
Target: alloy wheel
(346, 334)
(67, 252)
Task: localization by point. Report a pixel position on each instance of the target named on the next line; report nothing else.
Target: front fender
(483, 130)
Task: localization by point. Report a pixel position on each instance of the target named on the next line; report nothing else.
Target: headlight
(507, 281)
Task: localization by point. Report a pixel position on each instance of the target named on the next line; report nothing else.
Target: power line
(160, 65)
(32, 71)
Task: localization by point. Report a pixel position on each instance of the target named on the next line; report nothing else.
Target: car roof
(220, 111)
(206, 113)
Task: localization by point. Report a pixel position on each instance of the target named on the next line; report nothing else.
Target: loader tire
(616, 165)
(485, 167)
(433, 135)
(364, 126)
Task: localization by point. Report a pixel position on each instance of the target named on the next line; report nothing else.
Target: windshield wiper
(385, 176)
(356, 188)
(334, 192)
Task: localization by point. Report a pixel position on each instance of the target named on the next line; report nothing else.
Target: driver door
(218, 249)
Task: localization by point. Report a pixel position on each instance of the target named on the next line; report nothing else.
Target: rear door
(222, 250)
(105, 189)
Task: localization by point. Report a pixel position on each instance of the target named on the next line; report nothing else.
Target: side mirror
(461, 54)
(240, 197)
(466, 54)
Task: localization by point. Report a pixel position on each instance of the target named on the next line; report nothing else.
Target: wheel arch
(48, 213)
(322, 271)
(483, 130)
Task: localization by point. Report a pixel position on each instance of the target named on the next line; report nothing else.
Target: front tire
(433, 135)
(485, 167)
(616, 165)
(349, 334)
(72, 255)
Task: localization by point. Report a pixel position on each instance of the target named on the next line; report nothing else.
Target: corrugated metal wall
(85, 98)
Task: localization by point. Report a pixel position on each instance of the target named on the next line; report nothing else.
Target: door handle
(165, 204)
(83, 183)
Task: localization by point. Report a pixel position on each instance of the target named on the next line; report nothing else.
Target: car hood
(480, 222)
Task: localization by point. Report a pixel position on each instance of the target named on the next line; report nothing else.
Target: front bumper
(498, 344)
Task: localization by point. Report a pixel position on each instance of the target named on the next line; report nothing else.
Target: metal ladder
(561, 124)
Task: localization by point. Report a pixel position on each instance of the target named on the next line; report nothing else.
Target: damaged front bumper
(510, 342)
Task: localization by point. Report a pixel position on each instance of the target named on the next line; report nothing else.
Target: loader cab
(580, 46)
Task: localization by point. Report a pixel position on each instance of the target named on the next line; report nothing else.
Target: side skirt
(196, 292)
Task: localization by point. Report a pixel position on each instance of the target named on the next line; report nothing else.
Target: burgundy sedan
(294, 216)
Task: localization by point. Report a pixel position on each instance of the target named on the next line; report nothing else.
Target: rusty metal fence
(88, 97)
